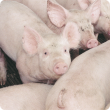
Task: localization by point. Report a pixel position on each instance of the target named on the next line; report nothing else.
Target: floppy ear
(30, 40)
(57, 14)
(93, 9)
(72, 33)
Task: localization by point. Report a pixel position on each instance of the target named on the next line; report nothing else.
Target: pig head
(103, 23)
(61, 17)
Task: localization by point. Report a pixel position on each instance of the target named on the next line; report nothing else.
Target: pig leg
(2, 68)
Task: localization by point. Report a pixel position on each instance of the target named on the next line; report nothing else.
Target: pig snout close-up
(86, 85)
(39, 53)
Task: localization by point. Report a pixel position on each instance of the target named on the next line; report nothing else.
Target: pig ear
(60, 100)
(72, 33)
(57, 14)
(94, 11)
(30, 40)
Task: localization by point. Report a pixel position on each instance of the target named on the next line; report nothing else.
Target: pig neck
(97, 57)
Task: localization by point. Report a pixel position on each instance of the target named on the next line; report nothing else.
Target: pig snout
(92, 43)
(60, 68)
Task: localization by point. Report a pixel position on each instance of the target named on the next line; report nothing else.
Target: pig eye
(65, 51)
(45, 53)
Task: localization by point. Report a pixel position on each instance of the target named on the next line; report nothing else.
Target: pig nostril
(95, 44)
(57, 68)
(65, 67)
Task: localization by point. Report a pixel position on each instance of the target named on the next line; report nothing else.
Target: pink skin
(60, 68)
(86, 84)
(92, 43)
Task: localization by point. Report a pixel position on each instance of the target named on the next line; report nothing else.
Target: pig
(57, 17)
(103, 23)
(86, 85)
(39, 53)
(30, 96)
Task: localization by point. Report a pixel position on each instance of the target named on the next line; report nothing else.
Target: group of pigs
(38, 36)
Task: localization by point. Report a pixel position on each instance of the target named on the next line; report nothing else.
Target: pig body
(56, 18)
(39, 53)
(86, 84)
(29, 96)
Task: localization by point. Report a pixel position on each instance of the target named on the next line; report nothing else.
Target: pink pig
(86, 85)
(39, 53)
(57, 17)
(103, 23)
